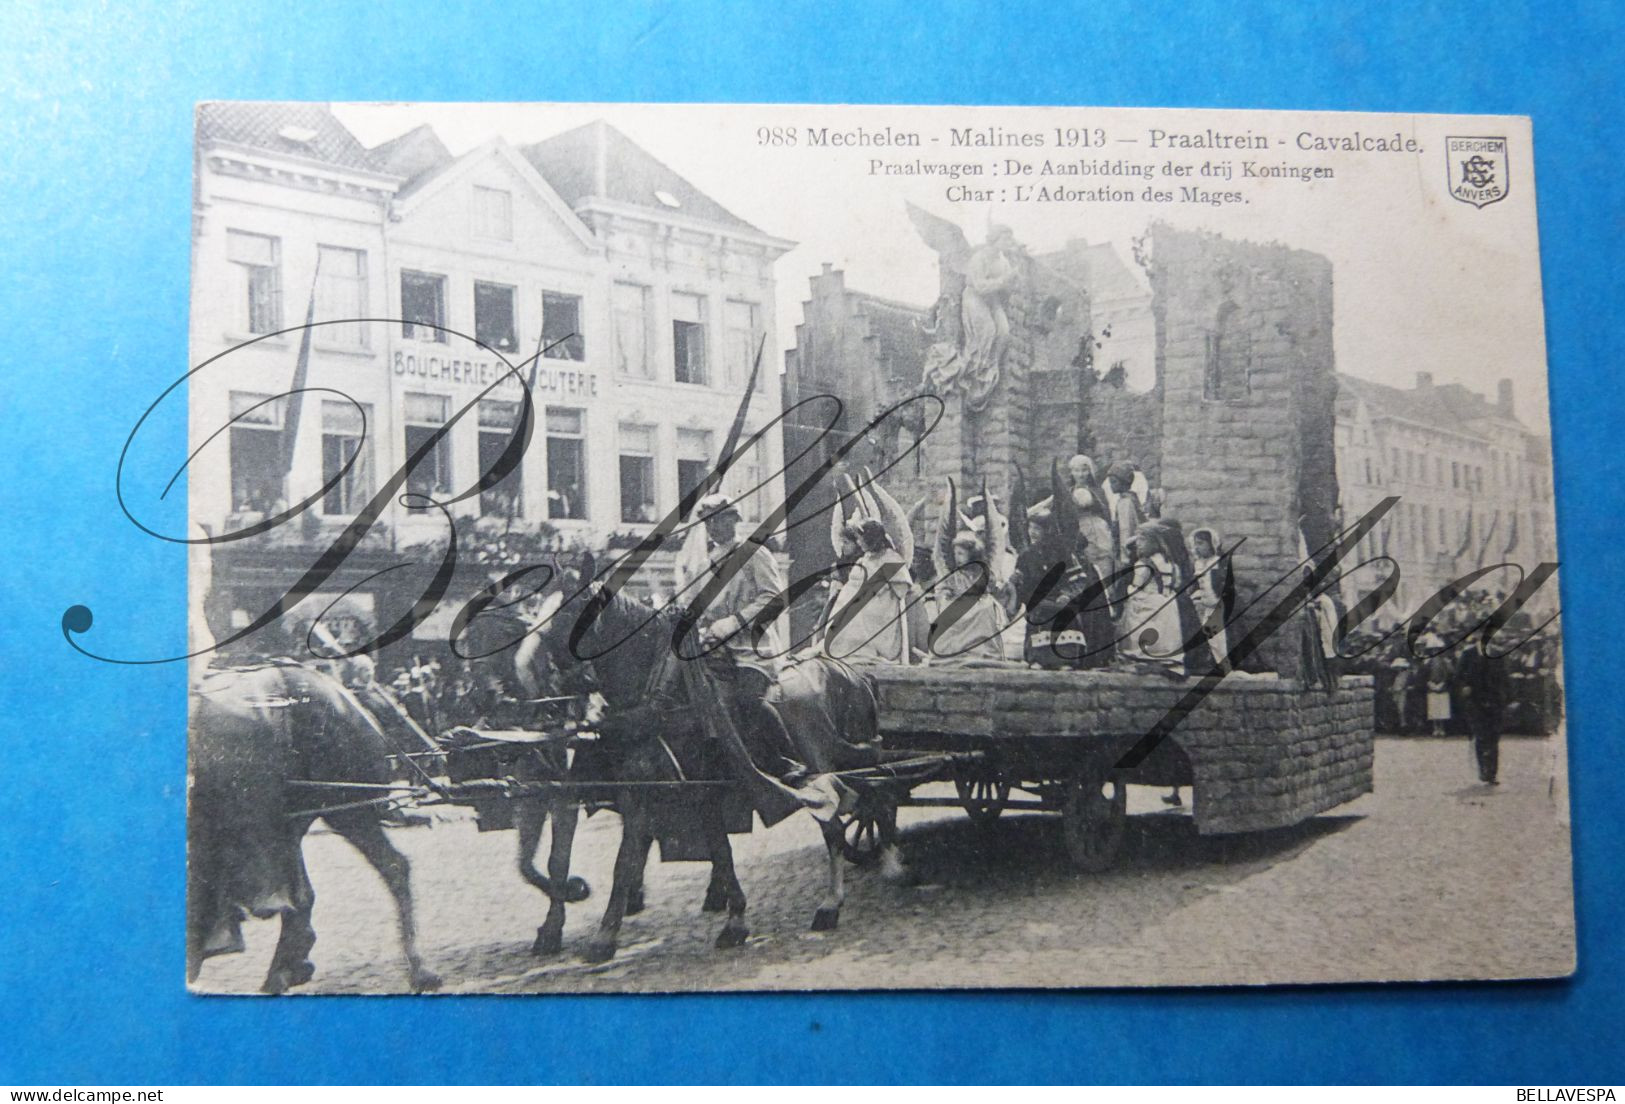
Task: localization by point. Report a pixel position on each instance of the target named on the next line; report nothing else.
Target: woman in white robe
(974, 635)
(868, 620)
(1159, 620)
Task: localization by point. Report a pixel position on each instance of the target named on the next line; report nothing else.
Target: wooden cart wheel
(861, 833)
(1094, 813)
(983, 792)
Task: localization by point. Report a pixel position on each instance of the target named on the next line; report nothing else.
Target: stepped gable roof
(894, 327)
(597, 161)
(307, 130)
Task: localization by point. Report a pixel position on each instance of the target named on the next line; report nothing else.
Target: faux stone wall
(1250, 453)
(1264, 752)
(1124, 425)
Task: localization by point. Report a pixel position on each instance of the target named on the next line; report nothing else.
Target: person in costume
(869, 615)
(1159, 623)
(1215, 592)
(1068, 621)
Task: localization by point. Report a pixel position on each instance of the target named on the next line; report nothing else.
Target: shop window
(341, 296)
(566, 463)
(344, 449)
(423, 306)
(493, 316)
(498, 420)
(561, 327)
(257, 459)
(258, 262)
(493, 214)
(688, 339)
(631, 309)
(425, 416)
(637, 473)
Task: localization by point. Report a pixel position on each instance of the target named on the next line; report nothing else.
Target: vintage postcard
(679, 547)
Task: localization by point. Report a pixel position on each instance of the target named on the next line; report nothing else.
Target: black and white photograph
(768, 547)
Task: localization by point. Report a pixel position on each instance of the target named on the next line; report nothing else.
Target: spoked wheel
(861, 836)
(983, 792)
(1094, 814)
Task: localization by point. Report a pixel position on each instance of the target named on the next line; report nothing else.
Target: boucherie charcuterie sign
(552, 378)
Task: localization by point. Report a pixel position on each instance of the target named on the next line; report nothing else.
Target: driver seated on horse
(743, 654)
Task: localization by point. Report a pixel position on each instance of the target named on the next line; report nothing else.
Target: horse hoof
(276, 983)
(715, 900)
(826, 919)
(576, 889)
(598, 952)
(547, 943)
(303, 973)
(732, 936)
(634, 903)
(425, 981)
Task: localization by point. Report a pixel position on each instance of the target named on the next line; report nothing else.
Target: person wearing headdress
(1068, 622)
(869, 617)
(1441, 671)
(967, 610)
(970, 620)
(1159, 624)
(1127, 515)
(1215, 592)
(1094, 513)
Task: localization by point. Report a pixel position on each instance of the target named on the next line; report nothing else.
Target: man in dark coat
(1481, 689)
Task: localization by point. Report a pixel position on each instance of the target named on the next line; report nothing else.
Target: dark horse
(661, 726)
(502, 651)
(256, 734)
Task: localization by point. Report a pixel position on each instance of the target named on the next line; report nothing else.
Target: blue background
(95, 195)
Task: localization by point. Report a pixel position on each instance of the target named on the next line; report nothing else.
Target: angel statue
(971, 325)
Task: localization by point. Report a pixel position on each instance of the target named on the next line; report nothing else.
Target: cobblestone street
(1431, 875)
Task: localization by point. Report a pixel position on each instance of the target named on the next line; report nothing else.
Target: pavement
(1433, 875)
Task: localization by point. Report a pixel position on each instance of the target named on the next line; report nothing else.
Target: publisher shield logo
(1478, 169)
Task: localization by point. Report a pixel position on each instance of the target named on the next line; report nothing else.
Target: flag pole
(296, 404)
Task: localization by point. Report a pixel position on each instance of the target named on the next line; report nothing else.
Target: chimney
(827, 268)
(1424, 381)
(1503, 399)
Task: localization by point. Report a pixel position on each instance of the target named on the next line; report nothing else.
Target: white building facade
(1474, 487)
(649, 299)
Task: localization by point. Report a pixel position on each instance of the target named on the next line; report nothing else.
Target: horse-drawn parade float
(1032, 634)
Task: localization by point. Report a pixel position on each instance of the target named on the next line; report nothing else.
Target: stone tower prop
(1245, 364)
